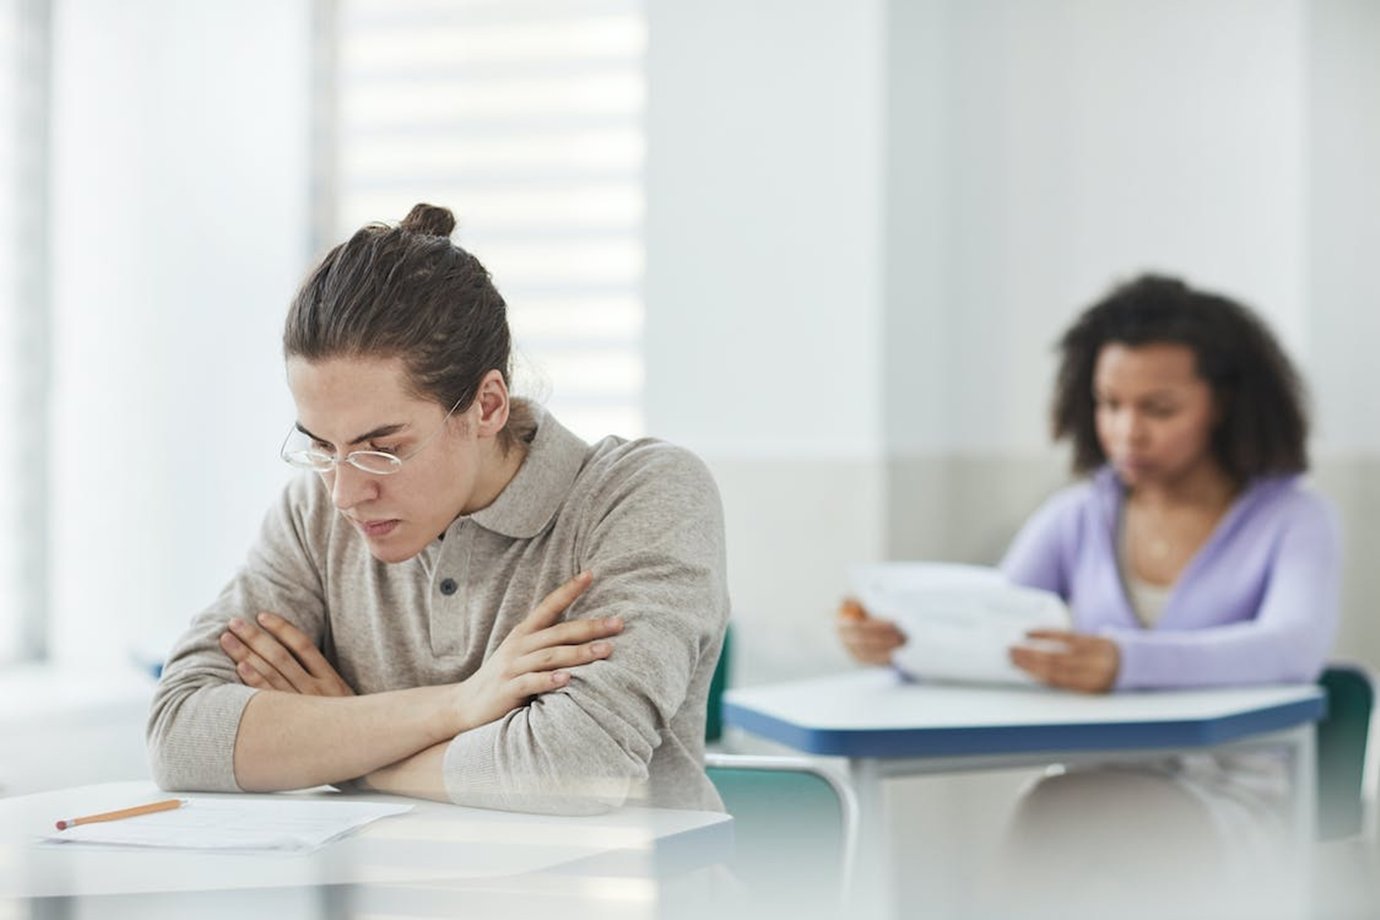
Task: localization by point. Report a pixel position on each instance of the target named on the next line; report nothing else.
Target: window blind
(524, 117)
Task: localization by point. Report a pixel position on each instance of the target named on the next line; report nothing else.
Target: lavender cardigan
(1257, 604)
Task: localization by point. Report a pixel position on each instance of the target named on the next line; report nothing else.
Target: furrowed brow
(382, 431)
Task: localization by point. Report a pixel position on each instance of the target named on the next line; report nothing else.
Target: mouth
(379, 528)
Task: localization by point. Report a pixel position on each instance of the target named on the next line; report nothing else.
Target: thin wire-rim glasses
(376, 462)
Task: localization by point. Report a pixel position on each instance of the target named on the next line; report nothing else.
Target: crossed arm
(547, 723)
(307, 726)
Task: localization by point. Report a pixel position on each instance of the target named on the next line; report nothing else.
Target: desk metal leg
(870, 880)
(1303, 783)
(1303, 775)
(1287, 886)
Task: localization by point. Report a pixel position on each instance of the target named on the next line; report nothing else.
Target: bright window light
(525, 118)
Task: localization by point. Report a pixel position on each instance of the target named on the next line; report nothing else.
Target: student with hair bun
(459, 599)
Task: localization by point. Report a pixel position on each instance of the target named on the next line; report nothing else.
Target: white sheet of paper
(959, 620)
(234, 823)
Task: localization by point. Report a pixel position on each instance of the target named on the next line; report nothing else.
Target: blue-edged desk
(887, 726)
(438, 860)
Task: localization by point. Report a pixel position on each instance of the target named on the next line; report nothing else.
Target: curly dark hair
(1264, 427)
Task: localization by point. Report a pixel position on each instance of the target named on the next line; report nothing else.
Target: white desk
(886, 726)
(429, 862)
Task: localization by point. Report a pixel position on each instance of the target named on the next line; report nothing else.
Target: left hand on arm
(275, 655)
(1086, 663)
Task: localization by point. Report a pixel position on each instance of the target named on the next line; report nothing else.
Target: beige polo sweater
(643, 516)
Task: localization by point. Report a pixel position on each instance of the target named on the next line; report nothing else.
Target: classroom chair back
(1345, 763)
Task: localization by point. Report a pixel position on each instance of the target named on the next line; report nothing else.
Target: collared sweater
(1258, 603)
(643, 516)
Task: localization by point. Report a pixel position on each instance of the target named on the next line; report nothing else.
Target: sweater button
(448, 586)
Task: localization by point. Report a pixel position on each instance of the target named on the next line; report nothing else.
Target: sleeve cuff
(1135, 665)
(200, 754)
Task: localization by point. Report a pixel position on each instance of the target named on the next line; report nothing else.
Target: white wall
(869, 222)
(180, 230)
(1041, 150)
(1343, 228)
(764, 227)
(764, 270)
(1343, 234)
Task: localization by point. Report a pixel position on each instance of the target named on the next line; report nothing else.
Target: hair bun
(429, 219)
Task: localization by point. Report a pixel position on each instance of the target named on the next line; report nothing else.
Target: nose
(1129, 428)
(350, 486)
(1122, 429)
(1137, 429)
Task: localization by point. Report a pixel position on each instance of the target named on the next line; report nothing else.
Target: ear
(492, 404)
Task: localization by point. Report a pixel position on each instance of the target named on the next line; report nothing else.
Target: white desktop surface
(858, 713)
(434, 843)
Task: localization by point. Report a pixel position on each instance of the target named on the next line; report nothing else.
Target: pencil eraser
(62, 825)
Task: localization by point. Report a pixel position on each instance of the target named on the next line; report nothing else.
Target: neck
(1205, 485)
(497, 470)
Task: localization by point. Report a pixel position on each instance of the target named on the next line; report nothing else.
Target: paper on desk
(233, 823)
(959, 620)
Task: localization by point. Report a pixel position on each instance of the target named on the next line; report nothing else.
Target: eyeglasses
(377, 462)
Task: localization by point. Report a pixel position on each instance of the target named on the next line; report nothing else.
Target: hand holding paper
(1071, 661)
(868, 639)
(960, 621)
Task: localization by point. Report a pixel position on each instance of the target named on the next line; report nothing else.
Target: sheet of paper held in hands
(959, 620)
(235, 823)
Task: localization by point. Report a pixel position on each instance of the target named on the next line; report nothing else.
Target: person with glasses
(459, 599)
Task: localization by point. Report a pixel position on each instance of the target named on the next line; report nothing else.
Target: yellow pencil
(166, 805)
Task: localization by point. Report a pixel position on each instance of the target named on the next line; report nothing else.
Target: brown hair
(1264, 426)
(409, 292)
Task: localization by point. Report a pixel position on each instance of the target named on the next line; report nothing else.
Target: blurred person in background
(1192, 555)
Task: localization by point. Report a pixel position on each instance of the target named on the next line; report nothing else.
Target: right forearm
(290, 741)
(420, 776)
